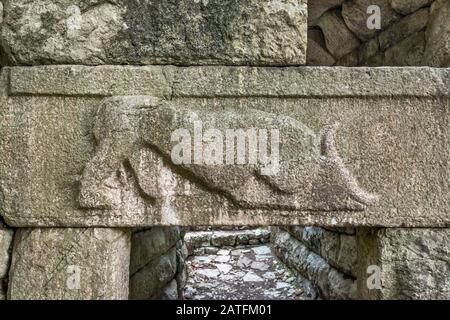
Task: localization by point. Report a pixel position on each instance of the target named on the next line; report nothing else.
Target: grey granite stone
(393, 126)
(185, 32)
(414, 263)
(57, 263)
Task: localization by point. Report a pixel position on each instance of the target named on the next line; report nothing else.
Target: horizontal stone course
(393, 126)
(6, 240)
(228, 81)
(90, 81)
(211, 241)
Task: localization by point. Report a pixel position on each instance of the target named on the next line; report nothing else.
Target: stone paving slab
(249, 273)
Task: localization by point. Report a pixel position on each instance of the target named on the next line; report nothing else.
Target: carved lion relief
(309, 173)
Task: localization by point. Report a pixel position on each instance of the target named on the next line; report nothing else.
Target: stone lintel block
(184, 32)
(71, 263)
(393, 129)
(414, 263)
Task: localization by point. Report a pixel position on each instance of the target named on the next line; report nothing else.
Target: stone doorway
(287, 263)
(239, 264)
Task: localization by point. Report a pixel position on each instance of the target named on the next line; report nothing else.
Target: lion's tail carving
(337, 188)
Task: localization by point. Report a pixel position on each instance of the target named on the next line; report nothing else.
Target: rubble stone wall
(411, 33)
(327, 258)
(157, 264)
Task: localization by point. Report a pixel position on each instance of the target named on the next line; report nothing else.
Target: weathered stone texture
(317, 52)
(408, 52)
(355, 15)
(437, 52)
(70, 264)
(6, 240)
(415, 263)
(211, 241)
(150, 244)
(157, 267)
(337, 248)
(6, 237)
(154, 277)
(402, 29)
(339, 39)
(408, 6)
(317, 8)
(155, 32)
(329, 282)
(393, 124)
(408, 35)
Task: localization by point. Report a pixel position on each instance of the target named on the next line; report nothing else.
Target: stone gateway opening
(204, 150)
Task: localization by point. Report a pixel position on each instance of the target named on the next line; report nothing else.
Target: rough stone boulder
(183, 32)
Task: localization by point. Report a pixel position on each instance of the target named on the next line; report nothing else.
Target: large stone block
(58, 263)
(414, 263)
(183, 32)
(73, 156)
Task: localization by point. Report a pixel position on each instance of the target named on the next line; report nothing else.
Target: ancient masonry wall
(157, 265)
(211, 241)
(6, 238)
(327, 258)
(67, 260)
(415, 263)
(411, 33)
(416, 33)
